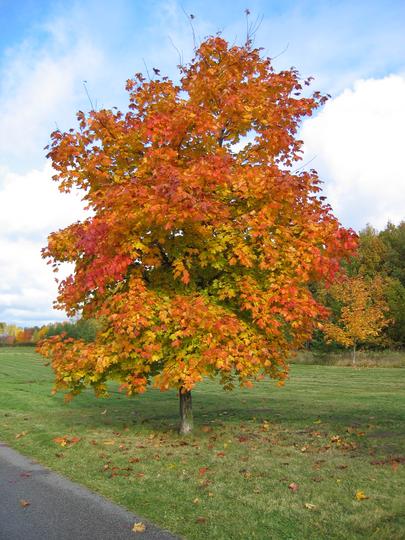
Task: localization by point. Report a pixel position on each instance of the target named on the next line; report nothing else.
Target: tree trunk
(354, 354)
(186, 413)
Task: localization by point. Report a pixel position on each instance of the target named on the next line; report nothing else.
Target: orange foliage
(363, 311)
(203, 238)
(24, 335)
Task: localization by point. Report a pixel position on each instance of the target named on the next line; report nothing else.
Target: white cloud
(358, 140)
(27, 285)
(31, 204)
(40, 86)
(30, 208)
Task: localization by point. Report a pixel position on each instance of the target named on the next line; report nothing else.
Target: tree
(394, 238)
(203, 239)
(383, 254)
(83, 329)
(371, 255)
(24, 335)
(362, 313)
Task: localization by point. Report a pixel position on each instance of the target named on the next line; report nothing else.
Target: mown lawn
(331, 432)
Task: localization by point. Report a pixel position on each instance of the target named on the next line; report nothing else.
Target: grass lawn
(329, 433)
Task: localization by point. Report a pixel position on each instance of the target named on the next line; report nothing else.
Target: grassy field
(266, 463)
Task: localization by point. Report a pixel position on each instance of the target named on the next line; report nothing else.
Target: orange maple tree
(362, 311)
(203, 239)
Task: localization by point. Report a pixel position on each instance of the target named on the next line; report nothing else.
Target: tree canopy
(205, 234)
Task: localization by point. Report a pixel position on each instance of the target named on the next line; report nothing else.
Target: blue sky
(355, 51)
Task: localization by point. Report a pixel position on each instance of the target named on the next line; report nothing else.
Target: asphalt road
(59, 509)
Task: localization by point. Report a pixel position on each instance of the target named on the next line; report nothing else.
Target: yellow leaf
(309, 506)
(139, 527)
(360, 495)
(22, 434)
(265, 426)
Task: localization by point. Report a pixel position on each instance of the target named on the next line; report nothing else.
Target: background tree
(382, 254)
(204, 235)
(361, 314)
(394, 238)
(84, 329)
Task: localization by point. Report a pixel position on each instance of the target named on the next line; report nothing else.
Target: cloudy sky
(355, 51)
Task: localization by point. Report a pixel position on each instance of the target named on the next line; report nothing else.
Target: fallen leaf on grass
(202, 470)
(60, 440)
(220, 454)
(109, 442)
(309, 506)
(204, 483)
(196, 500)
(206, 429)
(24, 503)
(293, 486)
(360, 496)
(66, 441)
(139, 527)
(394, 462)
(201, 519)
(353, 431)
(22, 434)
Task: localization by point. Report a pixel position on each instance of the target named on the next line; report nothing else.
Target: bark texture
(186, 413)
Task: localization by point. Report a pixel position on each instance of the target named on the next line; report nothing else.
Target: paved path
(59, 509)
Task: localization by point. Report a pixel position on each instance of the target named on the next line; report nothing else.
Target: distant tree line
(10, 334)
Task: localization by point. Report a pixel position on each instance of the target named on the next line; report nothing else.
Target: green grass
(331, 430)
(378, 359)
